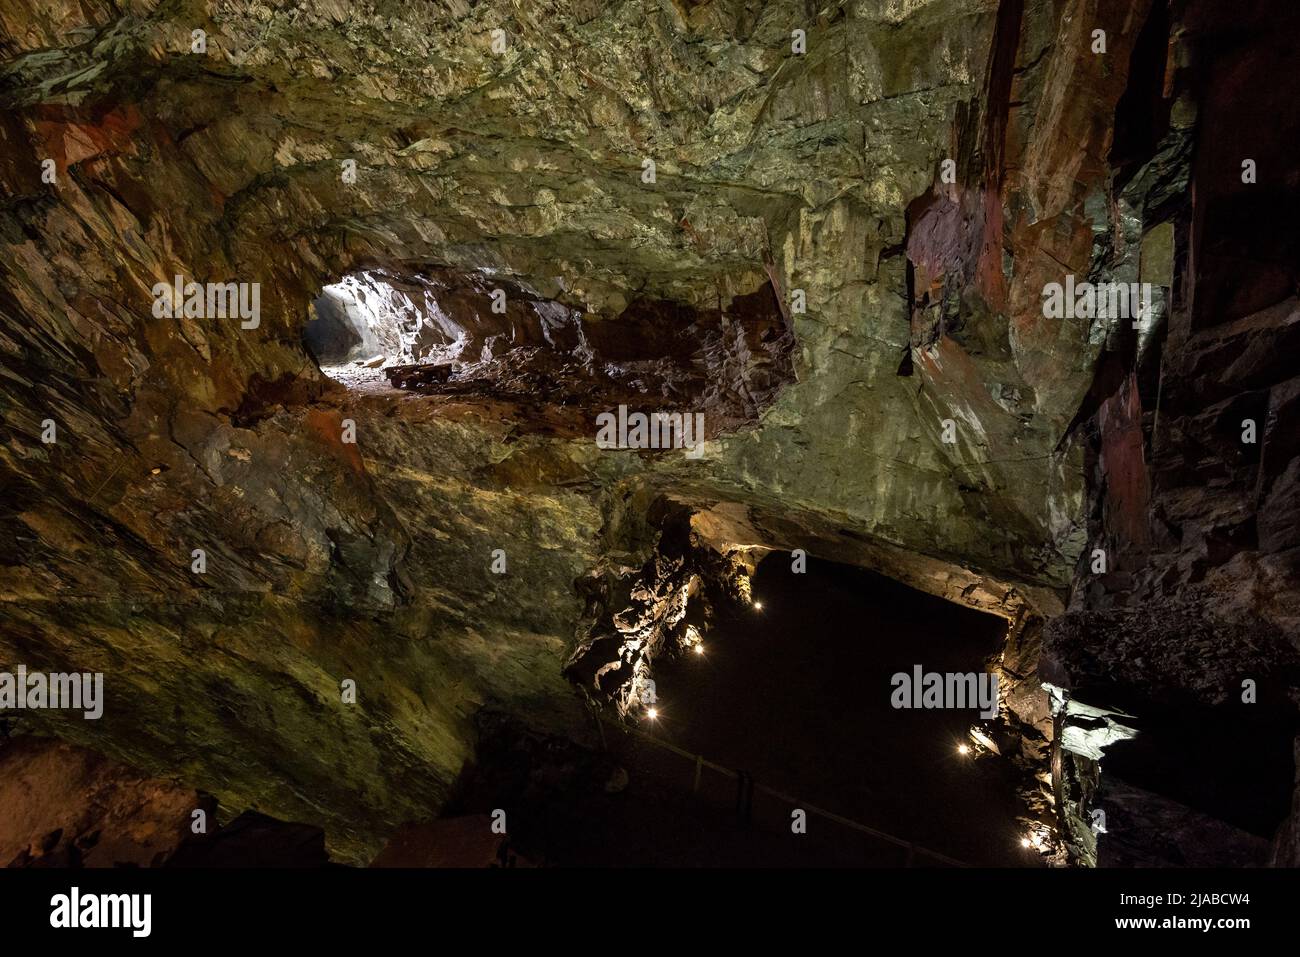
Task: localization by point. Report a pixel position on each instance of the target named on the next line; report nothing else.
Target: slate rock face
(1156, 832)
(1174, 650)
(920, 415)
(1183, 610)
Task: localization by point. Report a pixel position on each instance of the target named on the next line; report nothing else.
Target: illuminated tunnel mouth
(433, 331)
(374, 320)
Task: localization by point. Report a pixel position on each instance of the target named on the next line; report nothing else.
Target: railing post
(744, 797)
(745, 787)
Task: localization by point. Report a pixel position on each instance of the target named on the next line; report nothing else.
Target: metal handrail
(703, 762)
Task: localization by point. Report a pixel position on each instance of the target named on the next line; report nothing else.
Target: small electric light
(699, 649)
(963, 749)
(758, 606)
(1025, 842)
(654, 713)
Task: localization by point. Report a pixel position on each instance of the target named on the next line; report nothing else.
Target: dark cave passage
(798, 694)
(1190, 761)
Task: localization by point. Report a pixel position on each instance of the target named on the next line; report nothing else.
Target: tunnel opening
(799, 689)
(478, 336)
(785, 669)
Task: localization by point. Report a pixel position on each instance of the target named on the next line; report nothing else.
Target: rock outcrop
(1182, 625)
(68, 807)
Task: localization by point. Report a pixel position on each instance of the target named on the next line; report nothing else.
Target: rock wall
(1183, 607)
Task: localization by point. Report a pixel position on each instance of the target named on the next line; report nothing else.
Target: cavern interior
(649, 433)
